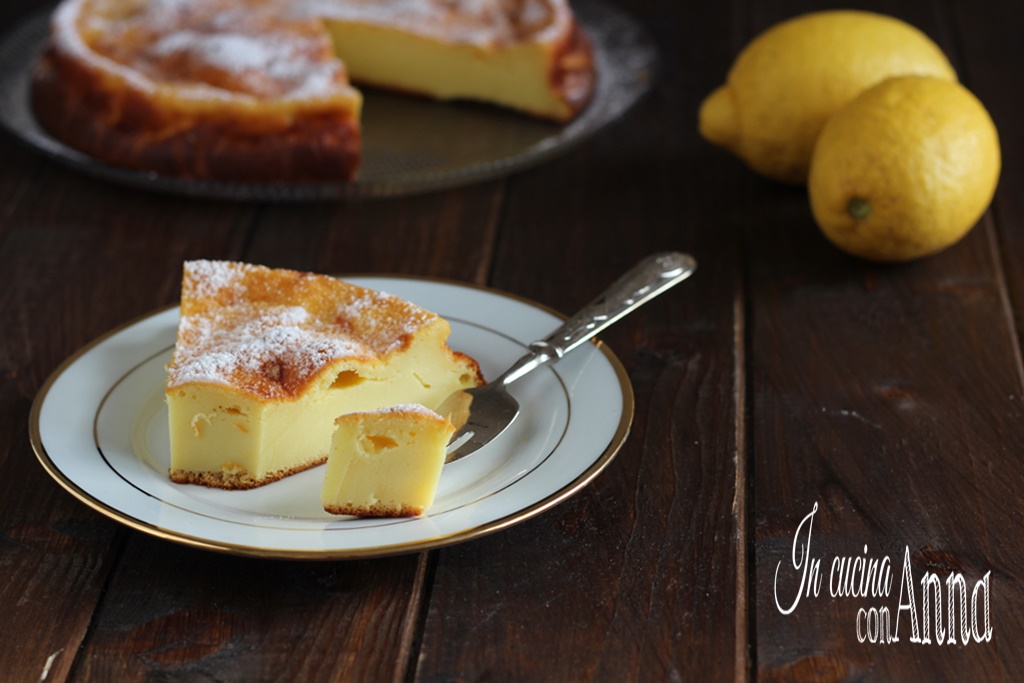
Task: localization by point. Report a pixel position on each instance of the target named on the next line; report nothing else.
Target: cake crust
(178, 100)
(238, 479)
(572, 72)
(375, 510)
(272, 334)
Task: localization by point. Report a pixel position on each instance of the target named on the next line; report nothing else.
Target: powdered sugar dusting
(401, 409)
(207, 279)
(276, 343)
(262, 64)
(481, 22)
(249, 48)
(270, 332)
(414, 408)
(269, 49)
(226, 50)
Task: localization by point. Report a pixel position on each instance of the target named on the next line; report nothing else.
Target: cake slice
(385, 463)
(266, 360)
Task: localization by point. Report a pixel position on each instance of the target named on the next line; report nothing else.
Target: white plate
(99, 427)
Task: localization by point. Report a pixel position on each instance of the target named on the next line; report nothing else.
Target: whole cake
(385, 463)
(267, 359)
(259, 90)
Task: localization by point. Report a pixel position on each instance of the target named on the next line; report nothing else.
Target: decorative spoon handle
(644, 281)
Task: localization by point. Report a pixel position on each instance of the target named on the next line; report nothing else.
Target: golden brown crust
(272, 333)
(213, 124)
(123, 129)
(239, 480)
(379, 509)
(573, 75)
(472, 367)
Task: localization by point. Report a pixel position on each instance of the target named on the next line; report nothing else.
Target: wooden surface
(782, 378)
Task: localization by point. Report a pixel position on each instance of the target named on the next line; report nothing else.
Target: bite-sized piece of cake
(267, 359)
(219, 89)
(253, 90)
(528, 55)
(385, 463)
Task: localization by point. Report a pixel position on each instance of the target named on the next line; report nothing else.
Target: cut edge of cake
(385, 463)
(256, 380)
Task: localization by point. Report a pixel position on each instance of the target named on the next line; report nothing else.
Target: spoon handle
(652, 276)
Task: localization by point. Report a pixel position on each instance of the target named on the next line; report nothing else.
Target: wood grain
(986, 60)
(890, 396)
(76, 261)
(448, 235)
(196, 615)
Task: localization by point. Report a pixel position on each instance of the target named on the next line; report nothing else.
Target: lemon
(904, 170)
(790, 79)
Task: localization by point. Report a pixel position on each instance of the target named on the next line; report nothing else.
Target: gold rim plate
(98, 427)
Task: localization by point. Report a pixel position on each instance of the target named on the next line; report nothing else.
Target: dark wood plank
(890, 397)
(987, 60)
(77, 258)
(449, 235)
(637, 577)
(883, 395)
(192, 615)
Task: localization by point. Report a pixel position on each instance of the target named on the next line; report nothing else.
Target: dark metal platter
(410, 144)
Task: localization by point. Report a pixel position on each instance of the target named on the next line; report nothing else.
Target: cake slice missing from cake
(385, 463)
(267, 359)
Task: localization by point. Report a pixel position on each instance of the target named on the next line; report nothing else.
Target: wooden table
(784, 378)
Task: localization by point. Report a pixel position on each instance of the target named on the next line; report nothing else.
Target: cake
(259, 90)
(267, 359)
(385, 463)
(217, 89)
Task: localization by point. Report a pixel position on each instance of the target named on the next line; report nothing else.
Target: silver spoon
(487, 411)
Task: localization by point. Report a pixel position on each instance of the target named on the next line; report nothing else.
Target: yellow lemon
(904, 170)
(790, 79)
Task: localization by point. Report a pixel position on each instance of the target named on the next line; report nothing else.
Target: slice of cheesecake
(385, 463)
(267, 359)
